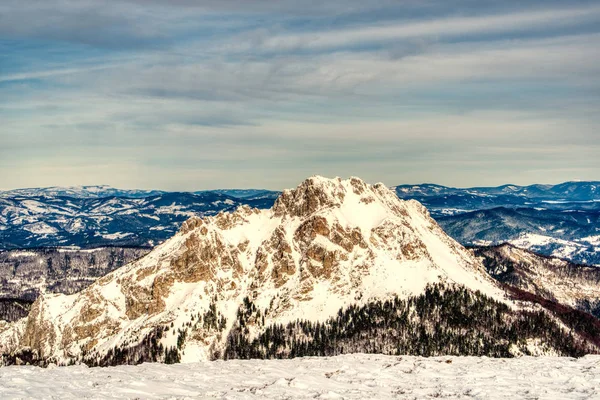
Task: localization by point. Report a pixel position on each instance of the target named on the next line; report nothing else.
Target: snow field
(357, 376)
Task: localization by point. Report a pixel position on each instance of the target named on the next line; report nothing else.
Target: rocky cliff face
(327, 244)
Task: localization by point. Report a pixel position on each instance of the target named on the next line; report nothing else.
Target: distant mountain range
(47, 217)
(561, 220)
(442, 200)
(569, 234)
(80, 192)
(25, 274)
(567, 191)
(102, 191)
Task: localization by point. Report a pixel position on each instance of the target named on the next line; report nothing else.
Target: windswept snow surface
(358, 376)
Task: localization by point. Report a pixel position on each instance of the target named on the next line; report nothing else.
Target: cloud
(117, 26)
(528, 20)
(25, 76)
(377, 76)
(286, 7)
(137, 24)
(190, 95)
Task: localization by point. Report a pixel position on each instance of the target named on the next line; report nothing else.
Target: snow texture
(357, 376)
(566, 249)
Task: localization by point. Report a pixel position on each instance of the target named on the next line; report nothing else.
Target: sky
(204, 94)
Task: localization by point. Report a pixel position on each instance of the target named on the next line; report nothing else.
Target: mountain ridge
(33, 221)
(570, 190)
(327, 252)
(312, 242)
(96, 190)
(554, 279)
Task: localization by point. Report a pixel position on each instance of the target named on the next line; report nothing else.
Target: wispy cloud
(455, 26)
(24, 76)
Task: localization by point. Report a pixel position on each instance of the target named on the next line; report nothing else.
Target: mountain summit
(325, 246)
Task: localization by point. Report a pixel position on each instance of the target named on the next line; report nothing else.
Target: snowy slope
(585, 250)
(326, 244)
(357, 376)
(574, 285)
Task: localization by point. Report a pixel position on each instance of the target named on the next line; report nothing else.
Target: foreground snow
(357, 376)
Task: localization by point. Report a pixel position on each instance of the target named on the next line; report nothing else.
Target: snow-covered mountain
(334, 266)
(585, 250)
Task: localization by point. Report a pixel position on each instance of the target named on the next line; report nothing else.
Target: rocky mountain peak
(318, 193)
(324, 245)
(311, 195)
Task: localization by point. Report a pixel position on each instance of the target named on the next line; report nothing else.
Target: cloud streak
(456, 26)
